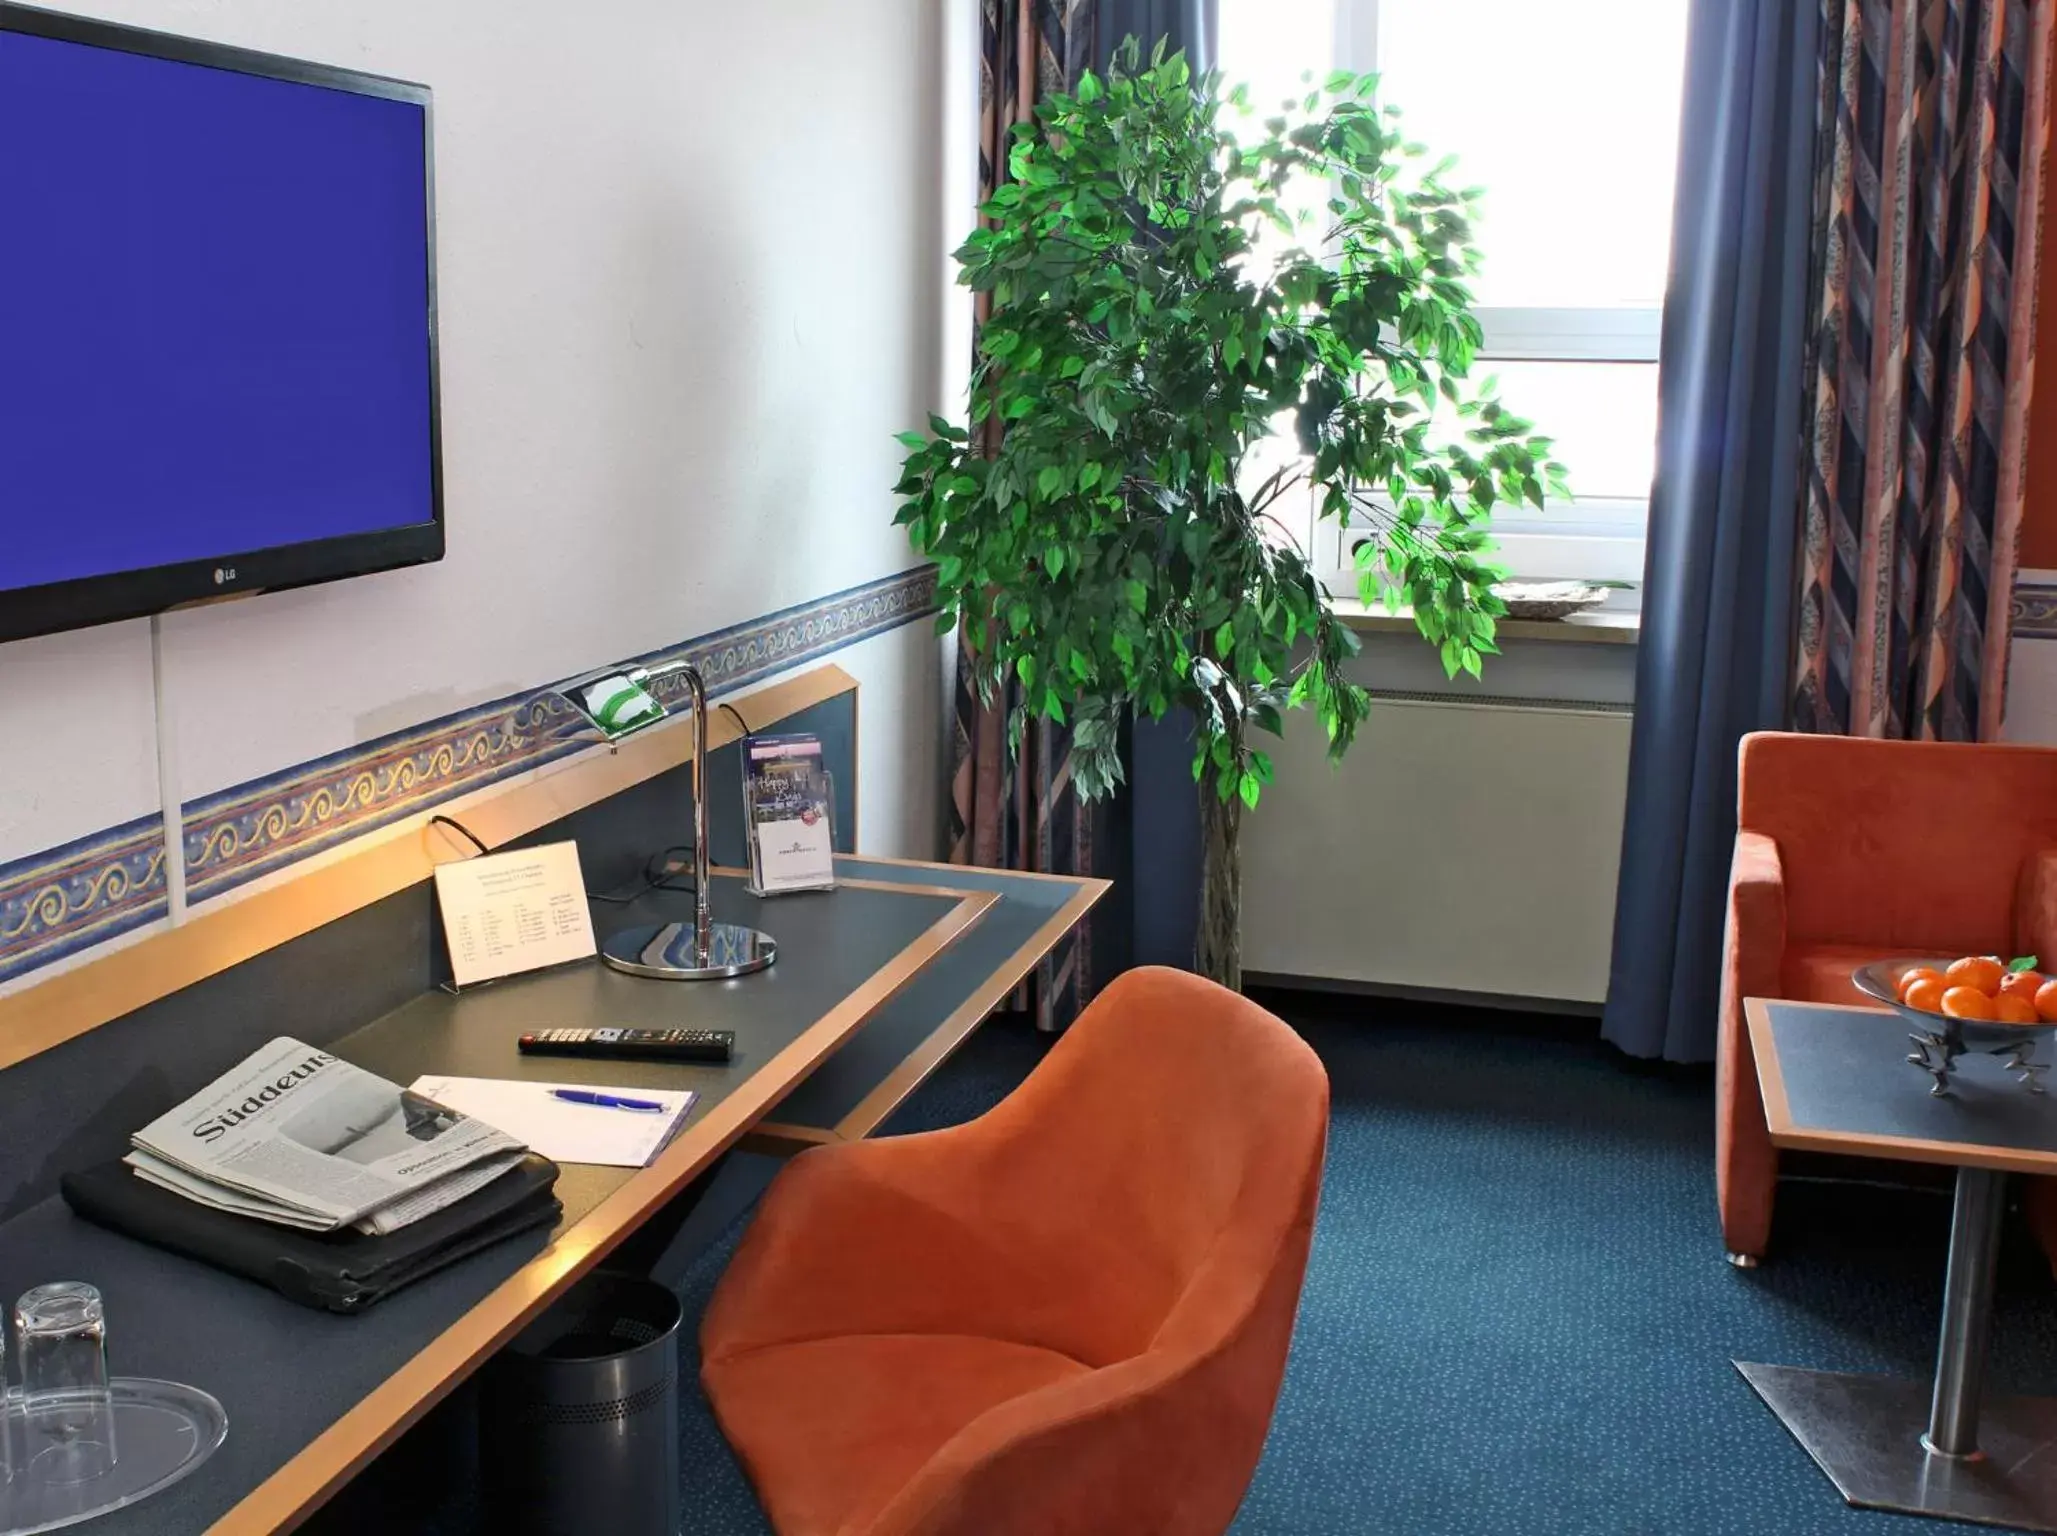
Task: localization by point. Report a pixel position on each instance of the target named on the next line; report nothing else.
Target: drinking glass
(67, 1413)
(8, 1405)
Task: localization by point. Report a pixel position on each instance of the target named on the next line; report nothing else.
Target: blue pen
(602, 1100)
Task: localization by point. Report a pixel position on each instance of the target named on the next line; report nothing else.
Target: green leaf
(2022, 963)
(1025, 669)
(1053, 560)
(1049, 479)
(1249, 788)
(912, 439)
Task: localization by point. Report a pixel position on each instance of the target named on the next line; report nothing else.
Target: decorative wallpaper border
(82, 893)
(64, 899)
(2033, 612)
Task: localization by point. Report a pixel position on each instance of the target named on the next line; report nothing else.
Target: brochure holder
(788, 815)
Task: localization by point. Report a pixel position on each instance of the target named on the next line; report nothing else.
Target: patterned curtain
(1024, 814)
(1931, 128)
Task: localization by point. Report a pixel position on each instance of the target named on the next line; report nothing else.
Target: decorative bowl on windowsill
(1548, 599)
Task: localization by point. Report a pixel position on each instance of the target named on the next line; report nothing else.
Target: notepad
(562, 1131)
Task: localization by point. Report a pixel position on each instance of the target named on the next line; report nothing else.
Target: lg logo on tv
(224, 574)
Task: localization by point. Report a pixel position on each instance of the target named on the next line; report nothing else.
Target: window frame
(1587, 538)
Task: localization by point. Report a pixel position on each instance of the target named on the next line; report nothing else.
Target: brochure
(788, 802)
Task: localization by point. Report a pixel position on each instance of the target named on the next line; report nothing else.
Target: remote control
(691, 1045)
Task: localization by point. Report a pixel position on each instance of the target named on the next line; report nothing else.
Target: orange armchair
(1068, 1316)
(1850, 850)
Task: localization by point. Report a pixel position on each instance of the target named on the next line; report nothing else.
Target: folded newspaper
(295, 1136)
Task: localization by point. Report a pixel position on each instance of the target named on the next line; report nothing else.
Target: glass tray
(162, 1431)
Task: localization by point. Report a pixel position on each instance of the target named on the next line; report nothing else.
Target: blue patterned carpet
(1517, 1319)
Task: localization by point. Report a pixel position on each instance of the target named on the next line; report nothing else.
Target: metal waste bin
(579, 1424)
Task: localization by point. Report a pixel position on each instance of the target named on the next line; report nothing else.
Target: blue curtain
(1719, 574)
(1164, 843)
(1192, 25)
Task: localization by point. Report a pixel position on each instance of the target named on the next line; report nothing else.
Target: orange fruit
(1916, 973)
(1981, 973)
(2013, 1008)
(2022, 984)
(1967, 1003)
(2046, 1002)
(1927, 995)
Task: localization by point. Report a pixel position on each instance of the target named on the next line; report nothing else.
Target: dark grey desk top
(1005, 939)
(829, 942)
(285, 1373)
(1837, 1079)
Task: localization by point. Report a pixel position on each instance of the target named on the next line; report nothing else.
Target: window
(1567, 115)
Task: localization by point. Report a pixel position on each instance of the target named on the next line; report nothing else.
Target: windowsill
(1601, 627)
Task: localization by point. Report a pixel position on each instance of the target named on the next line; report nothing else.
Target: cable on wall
(170, 804)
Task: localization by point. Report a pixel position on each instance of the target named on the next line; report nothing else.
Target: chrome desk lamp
(617, 703)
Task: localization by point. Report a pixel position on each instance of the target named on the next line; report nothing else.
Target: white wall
(691, 284)
(2032, 663)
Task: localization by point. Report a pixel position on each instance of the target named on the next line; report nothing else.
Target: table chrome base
(668, 952)
(1865, 1432)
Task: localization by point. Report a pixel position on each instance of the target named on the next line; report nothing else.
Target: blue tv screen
(217, 338)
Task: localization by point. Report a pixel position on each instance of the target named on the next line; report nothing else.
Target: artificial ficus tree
(1093, 531)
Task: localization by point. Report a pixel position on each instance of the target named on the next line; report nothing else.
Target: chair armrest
(1756, 943)
(2035, 908)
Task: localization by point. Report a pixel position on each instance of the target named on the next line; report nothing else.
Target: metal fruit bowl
(1548, 599)
(1940, 1039)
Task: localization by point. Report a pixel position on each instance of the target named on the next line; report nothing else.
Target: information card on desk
(509, 912)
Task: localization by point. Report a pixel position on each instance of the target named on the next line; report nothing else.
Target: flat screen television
(217, 323)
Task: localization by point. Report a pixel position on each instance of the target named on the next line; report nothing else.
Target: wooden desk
(311, 1398)
(1837, 1080)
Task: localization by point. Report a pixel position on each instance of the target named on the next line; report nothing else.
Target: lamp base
(667, 951)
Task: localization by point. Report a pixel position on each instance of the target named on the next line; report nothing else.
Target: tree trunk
(1219, 951)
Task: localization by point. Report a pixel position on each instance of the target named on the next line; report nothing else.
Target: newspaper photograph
(296, 1136)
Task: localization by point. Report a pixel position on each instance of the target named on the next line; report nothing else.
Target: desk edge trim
(307, 1480)
(382, 863)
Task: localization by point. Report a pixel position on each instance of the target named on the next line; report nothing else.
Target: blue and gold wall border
(252, 829)
(65, 899)
(2034, 615)
(87, 892)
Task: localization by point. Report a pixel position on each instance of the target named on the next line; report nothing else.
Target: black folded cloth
(341, 1271)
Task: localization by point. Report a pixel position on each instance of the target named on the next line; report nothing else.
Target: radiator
(1463, 846)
